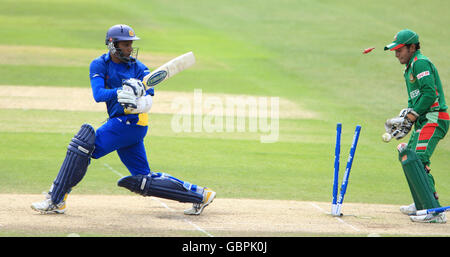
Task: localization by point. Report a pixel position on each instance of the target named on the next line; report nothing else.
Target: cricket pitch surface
(129, 215)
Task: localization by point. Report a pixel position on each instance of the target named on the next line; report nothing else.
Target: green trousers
(428, 131)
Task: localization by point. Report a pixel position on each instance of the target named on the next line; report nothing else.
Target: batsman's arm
(100, 93)
(97, 73)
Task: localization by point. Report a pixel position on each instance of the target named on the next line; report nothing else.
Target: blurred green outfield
(306, 51)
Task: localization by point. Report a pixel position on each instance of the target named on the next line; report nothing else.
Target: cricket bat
(169, 69)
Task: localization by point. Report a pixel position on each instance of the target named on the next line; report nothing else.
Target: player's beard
(127, 57)
(123, 57)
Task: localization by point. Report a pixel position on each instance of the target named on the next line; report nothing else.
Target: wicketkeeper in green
(427, 115)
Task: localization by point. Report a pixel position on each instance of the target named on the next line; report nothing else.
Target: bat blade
(169, 69)
(156, 78)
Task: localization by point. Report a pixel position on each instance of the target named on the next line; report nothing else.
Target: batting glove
(126, 98)
(143, 105)
(134, 85)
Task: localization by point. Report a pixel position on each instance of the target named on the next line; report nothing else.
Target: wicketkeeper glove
(406, 111)
(400, 126)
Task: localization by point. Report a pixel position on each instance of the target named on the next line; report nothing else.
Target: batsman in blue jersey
(116, 79)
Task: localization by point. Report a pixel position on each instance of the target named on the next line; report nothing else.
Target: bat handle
(125, 105)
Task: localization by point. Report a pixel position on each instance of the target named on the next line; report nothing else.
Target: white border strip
(162, 204)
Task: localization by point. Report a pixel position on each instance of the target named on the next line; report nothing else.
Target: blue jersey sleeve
(97, 74)
(142, 70)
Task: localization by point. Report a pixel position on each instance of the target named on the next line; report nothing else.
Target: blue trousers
(124, 136)
(127, 138)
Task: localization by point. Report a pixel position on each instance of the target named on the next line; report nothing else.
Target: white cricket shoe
(430, 218)
(47, 206)
(408, 209)
(197, 208)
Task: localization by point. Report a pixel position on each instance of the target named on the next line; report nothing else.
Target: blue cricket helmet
(120, 32)
(117, 33)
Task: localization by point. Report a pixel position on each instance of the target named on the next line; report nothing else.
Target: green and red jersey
(424, 86)
(426, 97)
